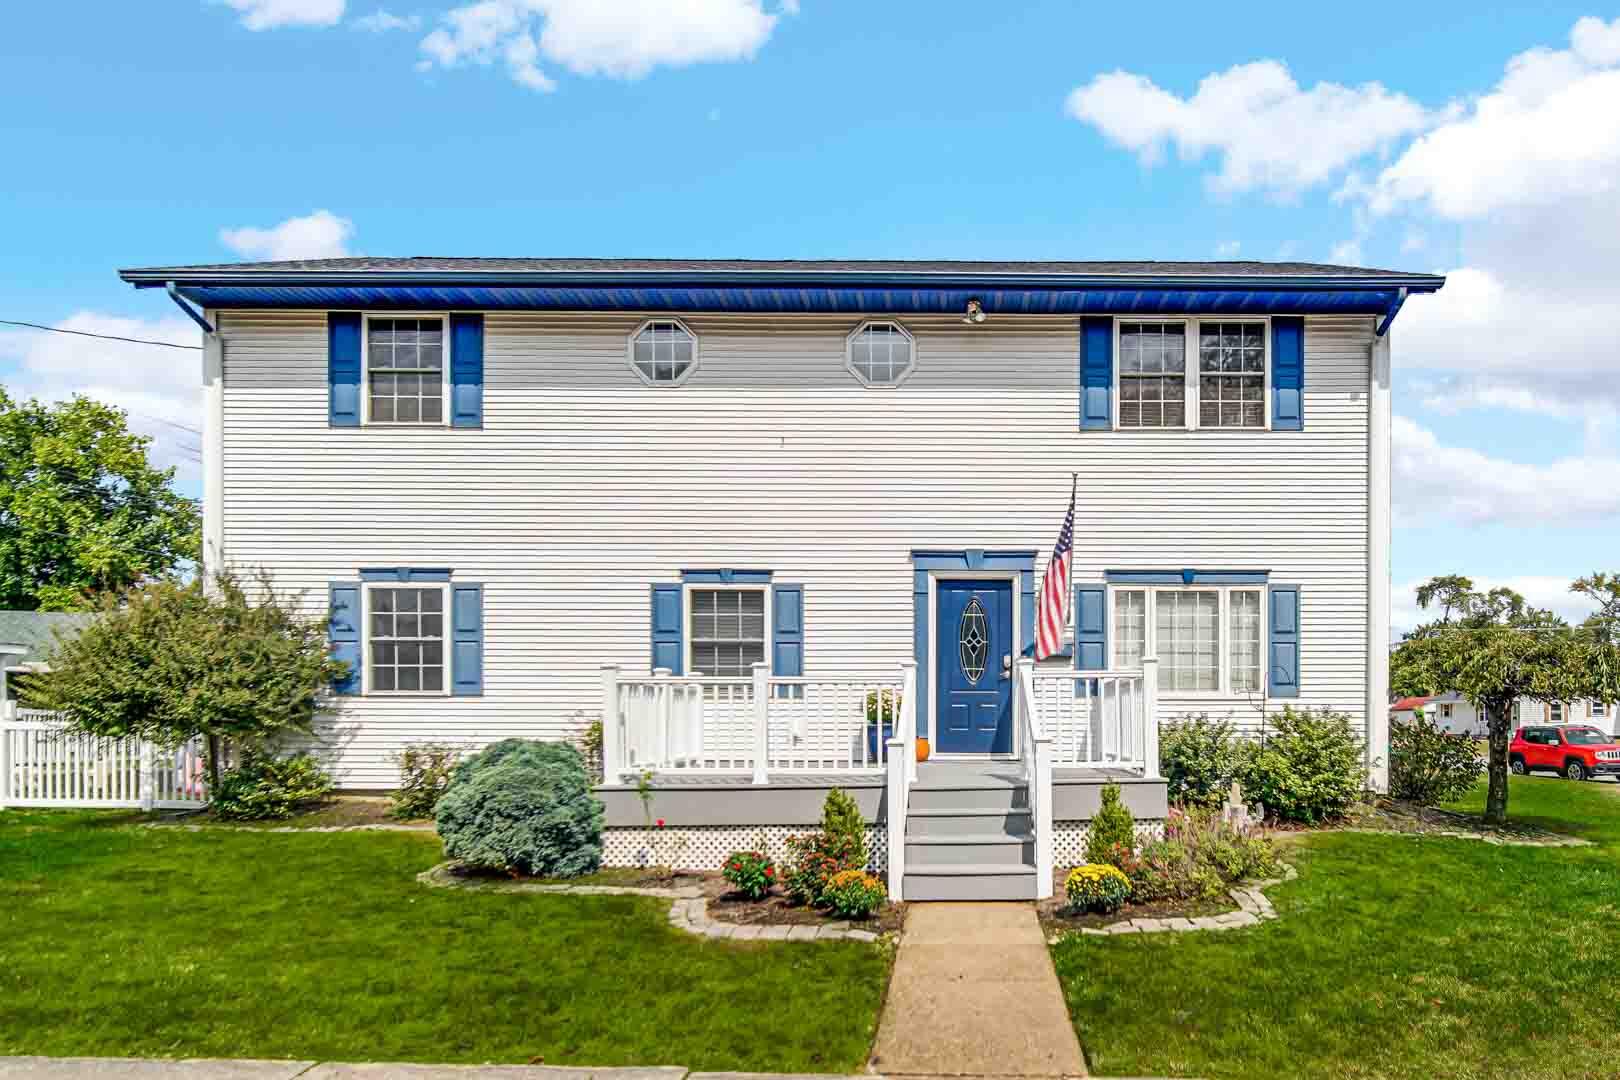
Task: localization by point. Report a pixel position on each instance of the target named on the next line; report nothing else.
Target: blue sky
(1477, 142)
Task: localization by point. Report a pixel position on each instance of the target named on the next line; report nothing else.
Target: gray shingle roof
(37, 630)
(451, 265)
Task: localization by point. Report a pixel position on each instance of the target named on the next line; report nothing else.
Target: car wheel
(1575, 771)
(1517, 766)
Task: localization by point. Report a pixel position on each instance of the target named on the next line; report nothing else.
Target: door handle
(1006, 665)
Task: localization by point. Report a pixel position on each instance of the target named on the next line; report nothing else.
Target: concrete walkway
(974, 994)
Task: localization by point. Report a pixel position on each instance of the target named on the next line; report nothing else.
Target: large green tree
(82, 509)
(1494, 648)
(170, 661)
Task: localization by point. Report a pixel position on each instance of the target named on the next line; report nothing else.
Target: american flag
(1052, 613)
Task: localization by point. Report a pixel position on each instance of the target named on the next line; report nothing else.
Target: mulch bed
(1394, 815)
(725, 904)
(777, 910)
(1053, 917)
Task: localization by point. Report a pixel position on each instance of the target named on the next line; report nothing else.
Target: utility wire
(105, 337)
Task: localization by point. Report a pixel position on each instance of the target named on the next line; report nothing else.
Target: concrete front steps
(969, 834)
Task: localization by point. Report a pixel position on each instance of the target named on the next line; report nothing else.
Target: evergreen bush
(524, 807)
(1200, 757)
(1112, 828)
(844, 826)
(1429, 766)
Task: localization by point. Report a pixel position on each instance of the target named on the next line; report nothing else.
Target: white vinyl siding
(586, 485)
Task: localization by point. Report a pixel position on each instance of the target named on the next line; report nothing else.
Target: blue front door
(973, 667)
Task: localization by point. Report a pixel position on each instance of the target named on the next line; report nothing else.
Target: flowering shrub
(813, 859)
(855, 894)
(752, 872)
(1096, 887)
(1201, 854)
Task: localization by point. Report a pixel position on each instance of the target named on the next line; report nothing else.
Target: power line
(159, 420)
(104, 337)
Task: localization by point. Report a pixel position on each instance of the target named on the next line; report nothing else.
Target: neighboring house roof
(823, 285)
(35, 631)
(1407, 704)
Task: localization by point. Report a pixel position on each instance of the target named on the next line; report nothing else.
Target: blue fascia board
(403, 573)
(778, 279)
(1065, 299)
(727, 577)
(973, 559)
(1186, 576)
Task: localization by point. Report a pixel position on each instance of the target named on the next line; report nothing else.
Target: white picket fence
(43, 763)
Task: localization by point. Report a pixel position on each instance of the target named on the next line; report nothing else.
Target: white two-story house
(780, 526)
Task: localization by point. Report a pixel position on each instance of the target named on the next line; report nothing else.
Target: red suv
(1577, 753)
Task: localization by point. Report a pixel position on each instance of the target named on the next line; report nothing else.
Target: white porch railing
(1100, 719)
(902, 774)
(43, 763)
(759, 725)
(1090, 719)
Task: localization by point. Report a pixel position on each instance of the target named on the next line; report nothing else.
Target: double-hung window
(405, 369)
(1208, 639)
(1192, 374)
(406, 651)
(728, 631)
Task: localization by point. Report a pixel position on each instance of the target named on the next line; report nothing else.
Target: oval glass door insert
(973, 645)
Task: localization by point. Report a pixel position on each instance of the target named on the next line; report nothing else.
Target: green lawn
(1395, 956)
(124, 941)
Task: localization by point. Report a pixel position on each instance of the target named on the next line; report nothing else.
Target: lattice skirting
(1069, 839)
(705, 847)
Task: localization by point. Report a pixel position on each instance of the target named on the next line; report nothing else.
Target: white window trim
(1191, 346)
(365, 369)
(365, 639)
(849, 353)
(630, 352)
(689, 587)
(1150, 638)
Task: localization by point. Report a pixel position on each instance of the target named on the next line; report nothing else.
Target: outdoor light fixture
(975, 312)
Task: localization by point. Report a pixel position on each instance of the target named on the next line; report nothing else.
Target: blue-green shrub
(524, 807)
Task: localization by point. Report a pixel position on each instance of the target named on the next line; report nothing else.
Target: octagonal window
(663, 351)
(881, 353)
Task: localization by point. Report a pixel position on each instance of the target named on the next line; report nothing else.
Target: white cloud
(381, 22)
(271, 14)
(1551, 593)
(159, 387)
(1548, 132)
(1269, 134)
(1432, 480)
(621, 39)
(321, 235)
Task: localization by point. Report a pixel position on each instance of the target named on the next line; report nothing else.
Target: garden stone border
(1253, 909)
(688, 910)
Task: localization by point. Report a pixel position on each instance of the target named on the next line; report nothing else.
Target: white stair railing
(902, 773)
(1036, 754)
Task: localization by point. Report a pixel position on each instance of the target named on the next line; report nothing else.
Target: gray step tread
(972, 870)
(968, 811)
(972, 838)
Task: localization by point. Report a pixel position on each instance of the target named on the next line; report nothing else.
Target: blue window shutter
(787, 630)
(1090, 628)
(1287, 373)
(343, 363)
(668, 644)
(1096, 372)
(1283, 644)
(467, 371)
(343, 632)
(466, 639)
